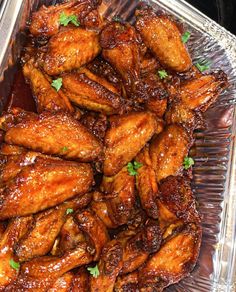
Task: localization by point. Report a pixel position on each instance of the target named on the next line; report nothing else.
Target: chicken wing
(168, 150)
(162, 36)
(120, 48)
(172, 262)
(177, 196)
(70, 49)
(109, 267)
(58, 134)
(40, 273)
(43, 184)
(91, 95)
(121, 208)
(126, 137)
(200, 93)
(40, 237)
(15, 230)
(94, 228)
(80, 281)
(46, 97)
(146, 184)
(46, 21)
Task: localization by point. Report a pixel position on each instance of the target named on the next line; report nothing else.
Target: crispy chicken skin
(127, 283)
(40, 273)
(168, 150)
(63, 283)
(58, 134)
(43, 184)
(146, 183)
(70, 49)
(177, 196)
(126, 137)
(93, 227)
(15, 230)
(80, 281)
(109, 267)
(45, 22)
(46, 226)
(122, 187)
(200, 93)
(172, 262)
(91, 95)
(162, 36)
(120, 48)
(46, 97)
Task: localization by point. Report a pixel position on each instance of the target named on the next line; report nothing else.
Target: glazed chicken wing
(15, 230)
(80, 281)
(122, 186)
(172, 262)
(47, 225)
(162, 36)
(46, 21)
(126, 137)
(91, 95)
(120, 49)
(70, 49)
(58, 134)
(168, 150)
(41, 273)
(127, 283)
(200, 93)
(63, 283)
(47, 98)
(43, 184)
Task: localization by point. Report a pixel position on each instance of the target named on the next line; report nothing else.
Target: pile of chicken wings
(95, 185)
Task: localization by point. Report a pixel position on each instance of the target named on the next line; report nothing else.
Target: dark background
(222, 11)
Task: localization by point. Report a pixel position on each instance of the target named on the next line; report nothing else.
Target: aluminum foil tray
(214, 149)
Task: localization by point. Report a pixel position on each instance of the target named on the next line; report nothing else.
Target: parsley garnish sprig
(133, 167)
(188, 162)
(94, 271)
(57, 84)
(66, 19)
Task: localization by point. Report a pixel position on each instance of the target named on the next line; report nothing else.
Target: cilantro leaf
(69, 211)
(64, 149)
(203, 65)
(188, 162)
(14, 265)
(66, 19)
(185, 37)
(162, 74)
(94, 271)
(133, 167)
(57, 84)
(116, 18)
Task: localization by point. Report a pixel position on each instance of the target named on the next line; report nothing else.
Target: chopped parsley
(185, 37)
(94, 271)
(162, 74)
(133, 167)
(66, 19)
(57, 84)
(14, 265)
(69, 211)
(117, 18)
(188, 162)
(203, 65)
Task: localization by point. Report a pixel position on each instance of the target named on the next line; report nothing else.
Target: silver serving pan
(214, 149)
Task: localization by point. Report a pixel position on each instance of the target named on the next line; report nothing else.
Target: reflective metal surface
(214, 149)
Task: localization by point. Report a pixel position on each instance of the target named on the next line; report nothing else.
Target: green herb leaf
(57, 83)
(117, 18)
(14, 264)
(64, 149)
(162, 74)
(69, 211)
(133, 167)
(66, 19)
(94, 271)
(203, 65)
(188, 162)
(185, 37)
